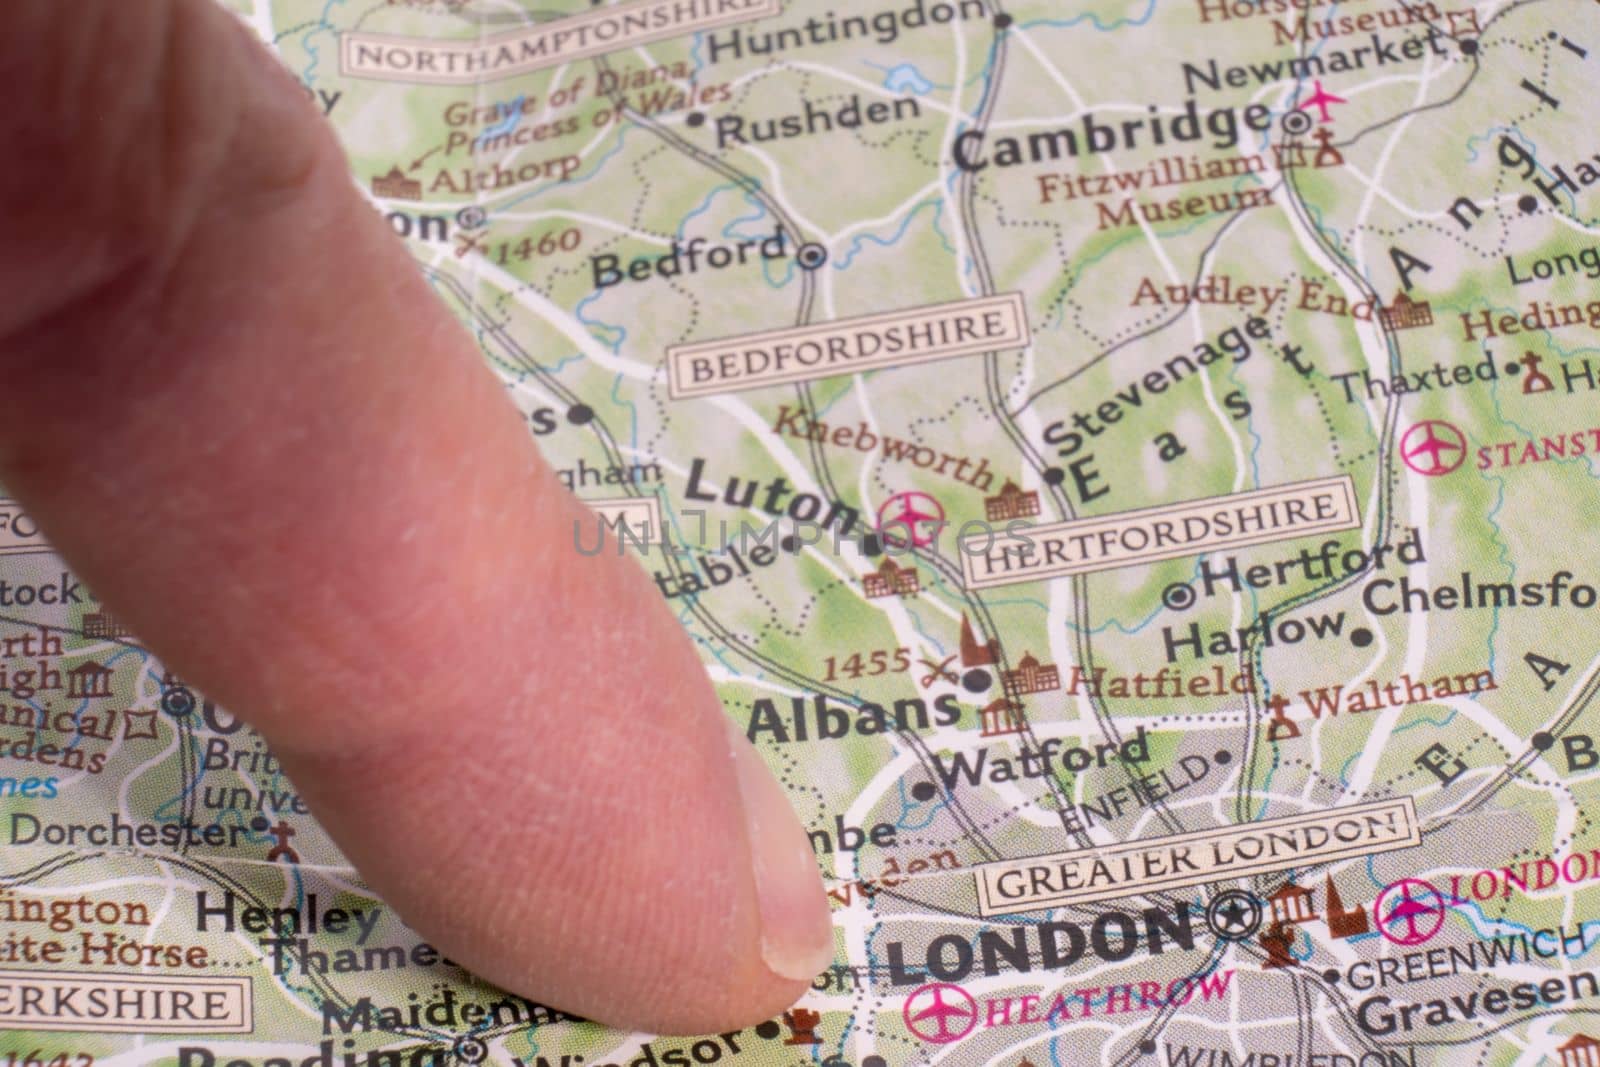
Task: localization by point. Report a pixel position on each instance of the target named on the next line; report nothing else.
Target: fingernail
(796, 928)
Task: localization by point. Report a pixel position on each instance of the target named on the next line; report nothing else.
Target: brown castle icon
(1278, 939)
(396, 186)
(802, 1024)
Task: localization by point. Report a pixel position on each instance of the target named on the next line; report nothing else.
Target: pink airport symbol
(916, 515)
(1433, 448)
(930, 1003)
(1409, 911)
(1320, 100)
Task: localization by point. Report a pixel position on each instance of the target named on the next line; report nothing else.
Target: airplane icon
(1409, 910)
(912, 515)
(906, 510)
(1441, 444)
(1433, 445)
(942, 1031)
(1320, 100)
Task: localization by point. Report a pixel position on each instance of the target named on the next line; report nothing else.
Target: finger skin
(237, 410)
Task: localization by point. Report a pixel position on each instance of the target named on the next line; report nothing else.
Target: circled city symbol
(915, 515)
(1409, 912)
(940, 1013)
(1433, 448)
(177, 701)
(470, 1050)
(1234, 915)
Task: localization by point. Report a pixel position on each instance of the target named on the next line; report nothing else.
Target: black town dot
(1543, 741)
(874, 1061)
(924, 791)
(1513, 368)
(1361, 637)
(1002, 21)
(768, 1029)
(790, 544)
(579, 414)
(812, 256)
(1147, 1047)
(976, 681)
(259, 824)
(1469, 48)
(871, 546)
(1223, 757)
(1054, 476)
(1528, 204)
(696, 119)
(1331, 975)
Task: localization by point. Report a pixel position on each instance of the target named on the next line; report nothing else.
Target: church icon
(974, 653)
(1344, 923)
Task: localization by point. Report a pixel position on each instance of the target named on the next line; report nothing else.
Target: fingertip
(796, 928)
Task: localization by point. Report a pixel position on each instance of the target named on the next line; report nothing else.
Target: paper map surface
(1129, 467)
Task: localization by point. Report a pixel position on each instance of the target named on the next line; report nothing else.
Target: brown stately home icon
(102, 624)
(396, 186)
(1405, 313)
(1011, 503)
(1580, 1050)
(1031, 676)
(891, 579)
